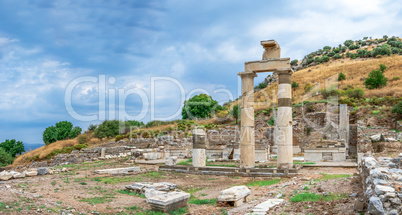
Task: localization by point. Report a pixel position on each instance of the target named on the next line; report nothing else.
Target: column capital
(247, 73)
(284, 71)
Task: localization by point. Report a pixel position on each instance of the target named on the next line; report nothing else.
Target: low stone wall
(382, 183)
(325, 154)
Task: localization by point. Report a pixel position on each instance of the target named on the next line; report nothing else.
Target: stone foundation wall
(382, 183)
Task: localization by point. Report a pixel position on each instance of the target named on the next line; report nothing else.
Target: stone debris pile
(382, 182)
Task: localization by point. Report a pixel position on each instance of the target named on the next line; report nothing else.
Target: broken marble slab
(234, 196)
(5, 176)
(118, 170)
(166, 202)
(141, 187)
(17, 174)
(151, 193)
(261, 209)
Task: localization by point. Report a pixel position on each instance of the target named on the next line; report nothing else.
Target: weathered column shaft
(344, 125)
(247, 136)
(284, 137)
(199, 141)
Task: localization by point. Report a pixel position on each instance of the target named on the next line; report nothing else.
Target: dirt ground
(80, 191)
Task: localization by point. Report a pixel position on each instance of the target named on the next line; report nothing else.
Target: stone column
(247, 136)
(103, 150)
(199, 140)
(284, 139)
(344, 125)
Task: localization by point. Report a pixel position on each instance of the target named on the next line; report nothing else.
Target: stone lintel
(269, 65)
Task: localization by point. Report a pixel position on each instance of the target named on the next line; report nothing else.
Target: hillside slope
(326, 74)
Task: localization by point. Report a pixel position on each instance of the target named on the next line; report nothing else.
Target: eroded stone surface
(234, 194)
(168, 201)
(43, 170)
(5, 176)
(141, 187)
(171, 161)
(118, 170)
(265, 206)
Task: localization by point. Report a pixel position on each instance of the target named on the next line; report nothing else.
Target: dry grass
(44, 150)
(326, 74)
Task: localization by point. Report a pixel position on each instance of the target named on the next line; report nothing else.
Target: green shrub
(13, 147)
(348, 43)
(200, 106)
(355, 93)
(5, 158)
(271, 121)
(82, 138)
(261, 85)
(396, 78)
(108, 128)
(92, 127)
(118, 137)
(341, 77)
(347, 101)
(308, 131)
(332, 91)
(384, 49)
(65, 150)
(308, 87)
(397, 109)
(294, 62)
(63, 130)
(376, 78)
(295, 84)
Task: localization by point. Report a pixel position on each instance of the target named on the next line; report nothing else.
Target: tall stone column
(199, 140)
(344, 125)
(284, 139)
(247, 136)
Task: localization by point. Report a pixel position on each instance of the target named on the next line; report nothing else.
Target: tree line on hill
(393, 45)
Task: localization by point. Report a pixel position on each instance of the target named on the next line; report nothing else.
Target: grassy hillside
(45, 151)
(326, 74)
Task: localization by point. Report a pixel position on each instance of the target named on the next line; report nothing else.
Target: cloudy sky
(85, 61)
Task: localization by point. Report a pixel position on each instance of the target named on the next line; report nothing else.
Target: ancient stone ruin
(271, 62)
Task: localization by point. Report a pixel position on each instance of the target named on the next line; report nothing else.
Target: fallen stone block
(141, 187)
(43, 170)
(375, 206)
(171, 161)
(380, 190)
(5, 176)
(151, 193)
(168, 201)
(152, 156)
(17, 174)
(118, 170)
(265, 206)
(234, 196)
(31, 173)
